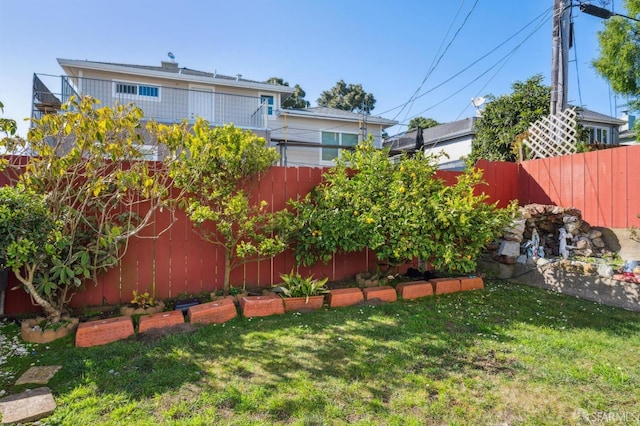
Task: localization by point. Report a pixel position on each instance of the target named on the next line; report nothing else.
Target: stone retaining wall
(559, 276)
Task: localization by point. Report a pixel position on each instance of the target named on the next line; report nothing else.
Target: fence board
(555, 180)
(633, 183)
(591, 187)
(619, 192)
(566, 173)
(604, 191)
(162, 253)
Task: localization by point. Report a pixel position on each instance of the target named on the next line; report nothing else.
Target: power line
(437, 62)
(546, 12)
(436, 58)
(575, 58)
(504, 59)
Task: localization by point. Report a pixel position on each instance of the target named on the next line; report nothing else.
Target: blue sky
(388, 47)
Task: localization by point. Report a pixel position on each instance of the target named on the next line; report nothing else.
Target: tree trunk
(53, 314)
(227, 273)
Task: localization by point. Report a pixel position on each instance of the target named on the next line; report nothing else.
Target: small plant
(235, 291)
(47, 325)
(142, 300)
(297, 286)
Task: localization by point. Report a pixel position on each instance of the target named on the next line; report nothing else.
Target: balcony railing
(160, 103)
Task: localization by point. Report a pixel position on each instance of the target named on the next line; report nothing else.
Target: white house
(453, 139)
(169, 93)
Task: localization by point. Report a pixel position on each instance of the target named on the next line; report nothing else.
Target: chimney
(169, 65)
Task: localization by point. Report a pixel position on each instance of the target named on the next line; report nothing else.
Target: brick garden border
(101, 332)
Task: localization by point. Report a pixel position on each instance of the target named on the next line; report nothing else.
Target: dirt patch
(156, 333)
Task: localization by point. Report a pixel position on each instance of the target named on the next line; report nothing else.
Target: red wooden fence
(604, 185)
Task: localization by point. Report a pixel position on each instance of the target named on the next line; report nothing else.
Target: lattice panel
(553, 135)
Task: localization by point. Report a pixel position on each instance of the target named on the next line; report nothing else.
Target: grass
(508, 354)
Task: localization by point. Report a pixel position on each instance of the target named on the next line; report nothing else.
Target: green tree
(296, 100)
(507, 116)
(7, 125)
(227, 161)
(400, 211)
(348, 97)
(619, 57)
(422, 123)
(87, 168)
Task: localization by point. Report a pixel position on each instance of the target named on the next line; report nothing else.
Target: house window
(126, 89)
(598, 135)
(148, 91)
(268, 101)
(332, 142)
(137, 91)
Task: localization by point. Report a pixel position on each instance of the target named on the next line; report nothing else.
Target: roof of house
(596, 117)
(448, 131)
(338, 114)
(171, 70)
(432, 135)
(456, 129)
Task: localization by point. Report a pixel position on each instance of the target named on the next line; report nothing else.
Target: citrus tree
(400, 211)
(227, 161)
(87, 167)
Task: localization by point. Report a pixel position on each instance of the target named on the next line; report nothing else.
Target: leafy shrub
(400, 211)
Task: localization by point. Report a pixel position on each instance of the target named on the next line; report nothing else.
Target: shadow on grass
(378, 348)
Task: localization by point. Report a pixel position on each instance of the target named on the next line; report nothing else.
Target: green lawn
(507, 354)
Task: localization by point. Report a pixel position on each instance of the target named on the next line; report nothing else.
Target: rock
(547, 226)
(516, 227)
(605, 271)
(493, 245)
(542, 261)
(28, 406)
(585, 252)
(585, 228)
(507, 260)
(572, 227)
(557, 210)
(40, 374)
(598, 242)
(594, 234)
(522, 259)
(569, 219)
(589, 268)
(582, 244)
(513, 237)
(572, 211)
(538, 208)
(509, 249)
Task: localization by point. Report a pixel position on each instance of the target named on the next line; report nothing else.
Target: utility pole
(560, 55)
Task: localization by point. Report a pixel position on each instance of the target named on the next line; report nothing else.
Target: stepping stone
(383, 293)
(39, 375)
(345, 297)
(28, 406)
